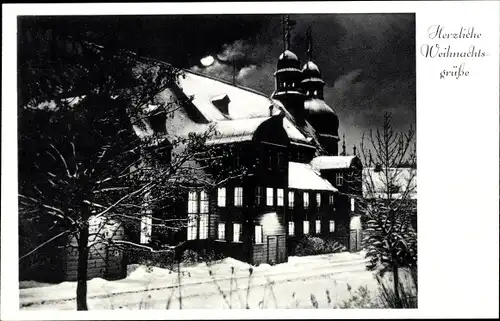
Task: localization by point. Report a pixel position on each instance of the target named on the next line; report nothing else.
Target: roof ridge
(227, 82)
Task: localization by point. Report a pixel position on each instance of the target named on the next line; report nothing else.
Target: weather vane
(287, 26)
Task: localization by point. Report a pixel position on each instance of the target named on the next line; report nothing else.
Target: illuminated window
(238, 196)
(146, 228)
(339, 179)
(332, 226)
(193, 202)
(306, 227)
(306, 200)
(291, 199)
(280, 196)
(330, 199)
(291, 228)
(352, 204)
(318, 200)
(236, 232)
(269, 196)
(203, 226)
(192, 227)
(258, 196)
(318, 226)
(258, 233)
(221, 231)
(203, 202)
(221, 197)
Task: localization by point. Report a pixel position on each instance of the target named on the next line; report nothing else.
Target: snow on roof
(403, 179)
(244, 103)
(236, 130)
(332, 162)
(318, 106)
(313, 79)
(303, 176)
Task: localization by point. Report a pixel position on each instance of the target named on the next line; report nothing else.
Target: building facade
(296, 184)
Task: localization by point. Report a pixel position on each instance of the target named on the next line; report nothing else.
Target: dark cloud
(367, 62)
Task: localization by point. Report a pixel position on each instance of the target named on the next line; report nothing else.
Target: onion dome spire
(309, 44)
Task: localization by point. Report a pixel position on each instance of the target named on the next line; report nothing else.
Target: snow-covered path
(292, 286)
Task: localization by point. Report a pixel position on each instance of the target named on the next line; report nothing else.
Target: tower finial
(343, 145)
(287, 32)
(309, 43)
(287, 27)
(354, 150)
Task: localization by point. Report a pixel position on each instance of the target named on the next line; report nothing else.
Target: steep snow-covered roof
(238, 130)
(332, 162)
(244, 103)
(404, 180)
(303, 176)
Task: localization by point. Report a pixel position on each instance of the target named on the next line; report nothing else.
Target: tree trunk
(396, 286)
(83, 254)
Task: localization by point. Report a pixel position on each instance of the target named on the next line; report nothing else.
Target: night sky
(367, 60)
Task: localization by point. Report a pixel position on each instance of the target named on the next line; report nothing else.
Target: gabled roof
(238, 130)
(244, 103)
(303, 176)
(403, 180)
(332, 162)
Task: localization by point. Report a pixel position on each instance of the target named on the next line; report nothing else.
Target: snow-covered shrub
(312, 245)
(161, 259)
(189, 257)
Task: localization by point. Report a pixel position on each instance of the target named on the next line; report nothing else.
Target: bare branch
(43, 244)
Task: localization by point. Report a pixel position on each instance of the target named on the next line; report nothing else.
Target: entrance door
(272, 244)
(355, 241)
(281, 249)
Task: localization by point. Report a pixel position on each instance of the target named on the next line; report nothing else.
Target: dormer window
(222, 103)
(156, 118)
(158, 123)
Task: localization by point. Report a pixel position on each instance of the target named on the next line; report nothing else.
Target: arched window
(315, 92)
(293, 84)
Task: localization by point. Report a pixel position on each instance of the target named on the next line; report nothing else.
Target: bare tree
(388, 200)
(82, 163)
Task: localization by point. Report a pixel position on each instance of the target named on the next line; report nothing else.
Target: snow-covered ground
(287, 285)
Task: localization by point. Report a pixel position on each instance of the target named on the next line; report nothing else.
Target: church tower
(288, 77)
(321, 116)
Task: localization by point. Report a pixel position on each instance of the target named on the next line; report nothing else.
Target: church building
(298, 184)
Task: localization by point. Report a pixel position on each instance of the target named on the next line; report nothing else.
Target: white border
(457, 126)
